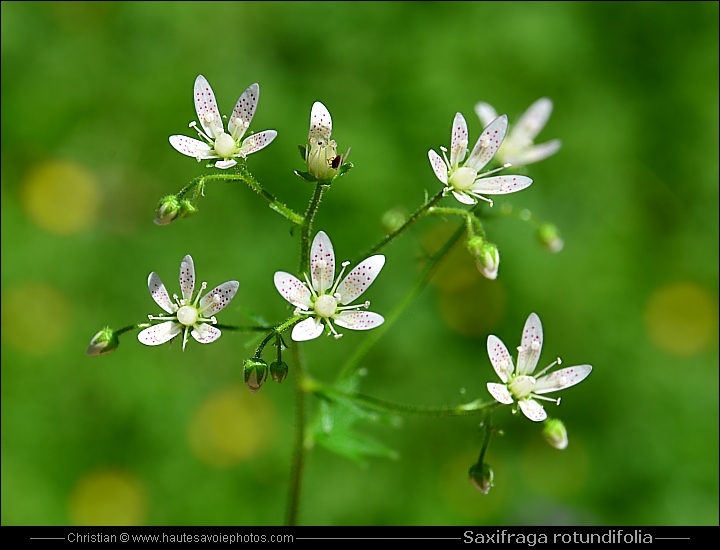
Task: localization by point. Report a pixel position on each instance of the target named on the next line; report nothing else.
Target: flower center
(187, 315)
(225, 145)
(325, 305)
(463, 178)
(521, 386)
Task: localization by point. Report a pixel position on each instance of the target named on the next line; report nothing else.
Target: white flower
(219, 144)
(186, 313)
(518, 148)
(322, 158)
(326, 299)
(463, 178)
(519, 384)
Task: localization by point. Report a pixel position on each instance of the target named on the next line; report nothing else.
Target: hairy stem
(306, 227)
(298, 460)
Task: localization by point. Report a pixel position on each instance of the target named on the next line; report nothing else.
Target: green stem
(306, 227)
(246, 328)
(131, 327)
(487, 423)
(275, 331)
(298, 460)
(472, 222)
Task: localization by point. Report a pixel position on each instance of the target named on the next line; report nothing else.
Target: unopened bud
(254, 373)
(168, 210)
(392, 220)
(481, 476)
(103, 342)
(475, 245)
(549, 237)
(488, 261)
(187, 208)
(278, 371)
(555, 433)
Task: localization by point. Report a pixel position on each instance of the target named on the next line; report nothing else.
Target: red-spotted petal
(500, 393)
(488, 143)
(293, 290)
(536, 153)
(205, 333)
(464, 197)
(159, 293)
(500, 358)
(218, 298)
(187, 277)
(206, 108)
(359, 320)
(257, 141)
(159, 334)
(192, 147)
(322, 262)
(308, 329)
(458, 140)
(438, 166)
(531, 345)
(500, 185)
(528, 126)
(320, 123)
(359, 279)
(532, 409)
(561, 379)
(244, 110)
(485, 112)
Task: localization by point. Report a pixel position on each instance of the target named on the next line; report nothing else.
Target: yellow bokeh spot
(552, 472)
(232, 426)
(35, 317)
(681, 318)
(108, 497)
(61, 197)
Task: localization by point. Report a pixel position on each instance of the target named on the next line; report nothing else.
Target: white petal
(532, 409)
(485, 112)
(160, 294)
(308, 329)
(159, 334)
(536, 153)
(187, 277)
(500, 185)
(224, 293)
(500, 393)
(532, 121)
(438, 166)
(192, 147)
(257, 141)
(458, 140)
(561, 379)
(244, 109)
(360, 278)
(225, 164)
(488, 143)
(464, 198)
(206, 108)
(500, 358)
(529, 353)
(322, 263)
(292, 289)
(320, 123)
(358, 320)
(205, 333)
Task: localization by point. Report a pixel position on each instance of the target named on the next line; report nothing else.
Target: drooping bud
(187, 208)
(481, 476)
(278, 371)
(255, 372)
(549, 236)
(555, 433)
(488, 261)
(105, 341)
(475, 245)
(168, 210)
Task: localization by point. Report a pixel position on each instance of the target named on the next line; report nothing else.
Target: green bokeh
(634, 190)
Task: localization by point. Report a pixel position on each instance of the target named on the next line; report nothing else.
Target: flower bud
(103, 342)
(168, 210)
(481, 476)
(488, 260)
(254, 373)
(187, 208)
(549, 236)
(555, 433)
(392, 220)
(474, 245)
(278, 371)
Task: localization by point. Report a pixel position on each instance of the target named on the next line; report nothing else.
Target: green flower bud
(103, 342)
(255, 372)
(168, 210)
(278, 371)
(475, 245)
(187, 208)
(555, 433)
(488, 261)
(481, 476)
(549, 236)
(392, 220)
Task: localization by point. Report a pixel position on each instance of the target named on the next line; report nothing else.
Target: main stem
(298, 460)
(307, 227)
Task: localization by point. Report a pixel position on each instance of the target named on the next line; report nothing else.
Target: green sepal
(344, 169)
(303, 152)
(305, 176)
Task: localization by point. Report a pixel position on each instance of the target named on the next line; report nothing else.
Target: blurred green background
(153, 436)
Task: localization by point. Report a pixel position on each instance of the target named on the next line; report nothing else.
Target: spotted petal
(528, 355)
(244, 111)
(187, 278)
(206, 108)
(458, 141)
(532, 409)
(159, 334)
(500, 185)
(561, 379)
(464, 197)
(500, 393)
(485, 112)
(258, 141)
(293, 290)
(359, 320)
(500, 358)
(536, 153)
(322, 262)
(360, 278)
(205, 333)
(488, 143)
(308, 329)
(225, 164)
(320, 123)
(160, 294)
(526, 129)
(192, 147)
(438, 166)
(218, 298)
